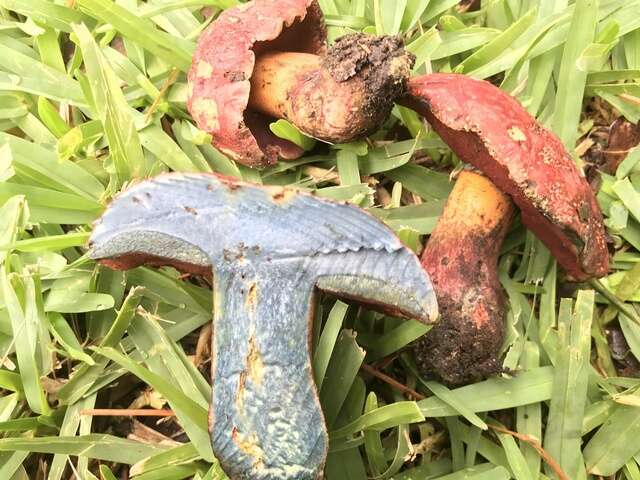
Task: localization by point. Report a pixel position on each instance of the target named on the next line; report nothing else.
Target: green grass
(80, 120)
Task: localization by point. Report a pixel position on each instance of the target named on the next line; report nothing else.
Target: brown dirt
(456, 351)
(623, 136)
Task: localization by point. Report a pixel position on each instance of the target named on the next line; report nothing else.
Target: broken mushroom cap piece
(269, 248)
(222, 65)
(461, 258)
(254, 64)
(489, 129)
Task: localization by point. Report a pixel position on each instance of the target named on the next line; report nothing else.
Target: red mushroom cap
(223, 64)
(489, 129)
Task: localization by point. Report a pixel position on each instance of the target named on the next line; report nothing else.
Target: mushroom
(267, 59)
(490, 130)
(269, 248)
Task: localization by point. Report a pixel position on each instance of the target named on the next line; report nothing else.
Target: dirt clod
(457, 351)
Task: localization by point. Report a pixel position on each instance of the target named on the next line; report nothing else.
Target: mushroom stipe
(341, 96)
(461, 258)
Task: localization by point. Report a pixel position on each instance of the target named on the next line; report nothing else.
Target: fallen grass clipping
(92, 98)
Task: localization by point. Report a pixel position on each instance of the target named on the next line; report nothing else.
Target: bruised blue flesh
(268, 249)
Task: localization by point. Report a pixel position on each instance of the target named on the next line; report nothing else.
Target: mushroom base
(457, 351)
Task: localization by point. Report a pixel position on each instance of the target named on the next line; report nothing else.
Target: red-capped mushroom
(266, 59)
(489, 129)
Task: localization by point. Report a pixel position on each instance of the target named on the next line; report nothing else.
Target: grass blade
(615, 443)
(342, 370)
(572, 80)
(562, 439)
(97, 446)
(19, 297)
(324, 350)
(112, 110)
(496, 394)
(141, 31)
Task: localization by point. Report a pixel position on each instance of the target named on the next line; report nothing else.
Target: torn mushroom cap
(488, 128)
(223, 64)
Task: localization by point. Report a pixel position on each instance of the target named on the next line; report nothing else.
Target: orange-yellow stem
(274, 77)
(461, 258)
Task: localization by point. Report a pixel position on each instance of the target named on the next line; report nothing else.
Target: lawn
(93, 98)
